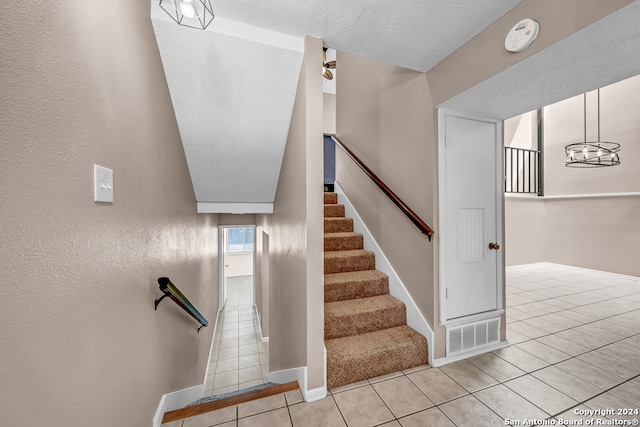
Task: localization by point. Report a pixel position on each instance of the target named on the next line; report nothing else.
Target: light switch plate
(102, 184)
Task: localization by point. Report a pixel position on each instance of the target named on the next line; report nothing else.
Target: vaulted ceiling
(233, 85)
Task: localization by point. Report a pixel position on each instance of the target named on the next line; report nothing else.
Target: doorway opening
(237, 264)
(239, 359)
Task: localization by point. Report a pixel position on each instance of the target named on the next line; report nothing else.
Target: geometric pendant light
(190, 13)
(595, 154)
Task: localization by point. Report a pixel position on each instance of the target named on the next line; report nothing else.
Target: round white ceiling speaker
(521, 35)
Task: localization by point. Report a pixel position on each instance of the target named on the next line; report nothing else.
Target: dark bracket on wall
(170, 290)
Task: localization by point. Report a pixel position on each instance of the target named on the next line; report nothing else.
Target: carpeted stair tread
(333, 211)
(343, 241)
(338, 225)
(355, 284)
(359, 316)
(354, 260)
(330, 198)
(359, 357)
(366, 332)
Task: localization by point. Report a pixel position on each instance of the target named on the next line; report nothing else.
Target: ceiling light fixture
(592, 154)
(326, 66)
(190, 13)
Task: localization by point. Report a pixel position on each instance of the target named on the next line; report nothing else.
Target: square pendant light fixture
(190, 13)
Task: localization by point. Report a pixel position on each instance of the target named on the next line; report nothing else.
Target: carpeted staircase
(365, 328)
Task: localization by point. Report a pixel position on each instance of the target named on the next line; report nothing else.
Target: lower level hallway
(239, 359)
(573, 356)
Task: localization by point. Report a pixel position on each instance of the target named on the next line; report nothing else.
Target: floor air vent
(470, 336)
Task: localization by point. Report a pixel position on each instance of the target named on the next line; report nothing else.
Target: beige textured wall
(295, 230)
(385, 115)
(329, 115)
(81, 344)
(237, 219)
(603, 234)
(316, 375)
(262, 281)
(525, 231)
(484, 55)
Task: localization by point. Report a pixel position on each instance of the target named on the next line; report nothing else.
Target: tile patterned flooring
(238, 358)
(574, 334)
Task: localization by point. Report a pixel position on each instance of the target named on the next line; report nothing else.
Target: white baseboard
(300, 375)
(262, 339)
(181, 398)
(288, 375)
(176, 400)
(213, 339)
(315, 394)
(461, 356)
(415, 319)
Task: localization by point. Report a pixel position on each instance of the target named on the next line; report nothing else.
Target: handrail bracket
(170, 290)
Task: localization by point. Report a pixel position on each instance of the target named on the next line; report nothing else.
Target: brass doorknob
(494, 246)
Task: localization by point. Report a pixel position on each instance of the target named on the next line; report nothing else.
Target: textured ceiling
(233, 85)
(233, 97)
(600, 54)
(415, 34)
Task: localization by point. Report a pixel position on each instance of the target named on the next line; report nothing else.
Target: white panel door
(471, 276)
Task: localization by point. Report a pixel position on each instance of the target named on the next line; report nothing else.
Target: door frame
(222, 285)
(442, 218)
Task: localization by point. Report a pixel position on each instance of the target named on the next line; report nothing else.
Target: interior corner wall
(385, 115)
(83, 84)
(525, 231)
(296, 312)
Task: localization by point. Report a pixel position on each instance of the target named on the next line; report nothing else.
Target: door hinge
(446, 142)
(446, 293)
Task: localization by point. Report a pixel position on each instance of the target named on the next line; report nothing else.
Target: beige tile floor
(238, 358)
(575, 341)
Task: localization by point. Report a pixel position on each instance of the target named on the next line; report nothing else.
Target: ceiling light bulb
(585, 152)
(571, 154)
(599, 152)
(187, 9)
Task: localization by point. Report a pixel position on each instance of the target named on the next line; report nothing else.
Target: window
(240, 239)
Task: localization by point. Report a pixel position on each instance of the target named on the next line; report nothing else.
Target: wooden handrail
(409, 213)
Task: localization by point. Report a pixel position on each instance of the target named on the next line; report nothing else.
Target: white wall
(238, 264)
